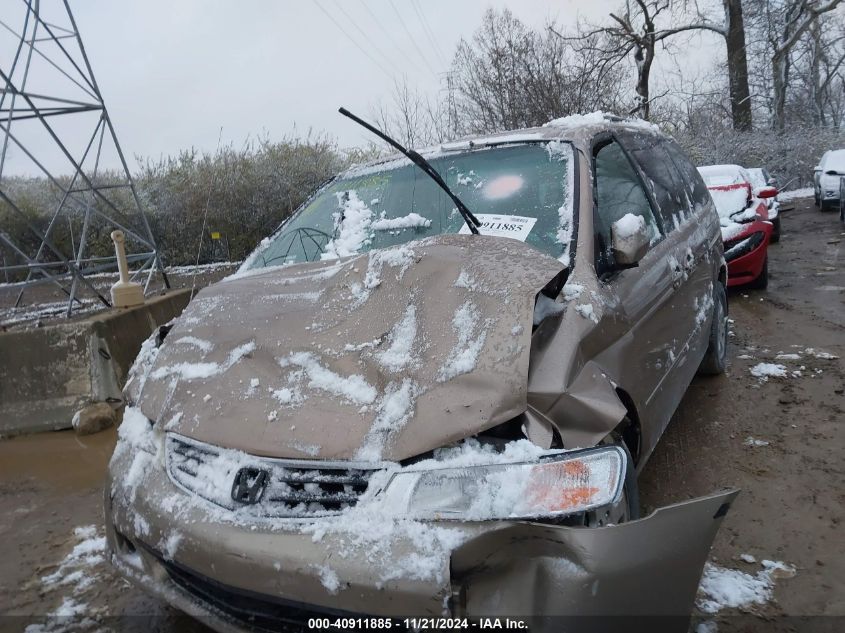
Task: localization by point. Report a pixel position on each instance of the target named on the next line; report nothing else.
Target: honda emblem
(249, 485)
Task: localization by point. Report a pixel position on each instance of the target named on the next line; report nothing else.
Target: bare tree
(636, 31)
(786, 22)
(412, 118)
(510, 76)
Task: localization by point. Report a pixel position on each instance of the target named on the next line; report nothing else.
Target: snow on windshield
(729, 201)
(528, 186)
(720, 175)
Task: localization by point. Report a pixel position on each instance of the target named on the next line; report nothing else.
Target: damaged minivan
(430, 391)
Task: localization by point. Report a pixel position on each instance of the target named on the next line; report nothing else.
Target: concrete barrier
(48, 373)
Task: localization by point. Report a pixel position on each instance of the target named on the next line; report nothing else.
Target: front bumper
(242, 577)
(746, 267)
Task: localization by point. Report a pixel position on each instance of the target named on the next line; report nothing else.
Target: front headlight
(557, 485)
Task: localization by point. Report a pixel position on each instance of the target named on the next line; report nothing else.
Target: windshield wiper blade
(471, 221)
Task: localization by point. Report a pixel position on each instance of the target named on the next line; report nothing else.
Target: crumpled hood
(386, 355)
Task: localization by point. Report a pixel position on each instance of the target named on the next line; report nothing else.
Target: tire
(715, 358)
(762, 281)
(775, 231)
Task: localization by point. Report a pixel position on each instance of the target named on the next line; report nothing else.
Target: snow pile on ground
(754, 442)
(354, 222)
(723, 588)
(412, 220)
(785, 196)
(74, 576)
(820, 354)
(764, 371)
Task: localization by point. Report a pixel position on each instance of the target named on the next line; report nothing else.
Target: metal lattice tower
(54, 124)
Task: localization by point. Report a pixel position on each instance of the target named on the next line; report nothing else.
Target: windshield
(519, 191)
(730, 199)
(721, 175)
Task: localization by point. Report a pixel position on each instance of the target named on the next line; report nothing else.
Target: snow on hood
(731, 202)
(385, 355)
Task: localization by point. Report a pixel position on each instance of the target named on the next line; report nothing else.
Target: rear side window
(693, 180)
(665, 180)
(619, 191)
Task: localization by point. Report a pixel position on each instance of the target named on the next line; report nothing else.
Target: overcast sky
(173, 73)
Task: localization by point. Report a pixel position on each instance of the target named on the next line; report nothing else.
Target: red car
(746, 232)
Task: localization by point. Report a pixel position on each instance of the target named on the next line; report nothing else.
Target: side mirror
(767, 192)
(831, 172)
(629, 240)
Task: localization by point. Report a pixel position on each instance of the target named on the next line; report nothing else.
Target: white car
(758, 183)
(826, 178)
(760, 180)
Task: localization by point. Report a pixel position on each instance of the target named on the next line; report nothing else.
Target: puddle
(59, 459)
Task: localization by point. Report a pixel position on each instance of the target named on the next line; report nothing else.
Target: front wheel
(716, 358)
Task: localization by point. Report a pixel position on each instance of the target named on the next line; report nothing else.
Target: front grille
(294, 489)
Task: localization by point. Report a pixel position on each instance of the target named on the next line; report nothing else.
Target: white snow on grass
(193, 371)
(463, 357)
(788, 357)
(354, 223)
(412, 220)
(723, 588)
(806, 192)
(353, 388)
(398, 356)
(764, 371)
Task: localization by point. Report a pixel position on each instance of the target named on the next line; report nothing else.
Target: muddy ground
(793, 487)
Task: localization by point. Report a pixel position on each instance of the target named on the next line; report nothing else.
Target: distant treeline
(240, 193)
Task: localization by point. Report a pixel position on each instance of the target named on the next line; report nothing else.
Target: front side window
(619, 191)
(521, 191)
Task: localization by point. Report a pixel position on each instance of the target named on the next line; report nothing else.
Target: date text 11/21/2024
(416, 624)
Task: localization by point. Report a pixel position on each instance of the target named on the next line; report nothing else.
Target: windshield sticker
(513, 226)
